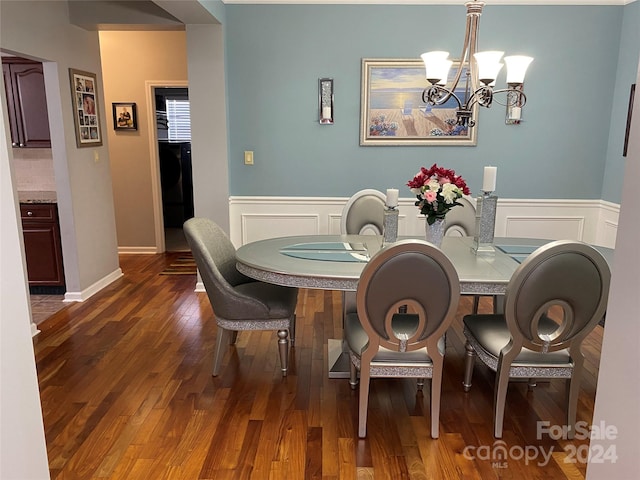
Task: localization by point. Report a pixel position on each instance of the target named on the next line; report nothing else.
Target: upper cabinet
(26, 103)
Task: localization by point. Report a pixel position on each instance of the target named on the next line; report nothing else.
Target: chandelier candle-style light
(481, 75)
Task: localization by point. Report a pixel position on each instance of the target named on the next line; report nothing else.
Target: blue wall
(276, 53)
(626, 75)
(216, 8)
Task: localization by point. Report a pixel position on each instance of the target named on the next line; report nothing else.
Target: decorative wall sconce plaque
(325, 100)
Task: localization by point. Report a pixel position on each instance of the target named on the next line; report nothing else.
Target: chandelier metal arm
(483, 96)
(478, 91)
(470, 46)
(438, 95)
(515, 96)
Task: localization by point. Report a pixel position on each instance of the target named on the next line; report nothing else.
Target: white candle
(326, 112)
(515, 113)
(489, 180)
(392, 197)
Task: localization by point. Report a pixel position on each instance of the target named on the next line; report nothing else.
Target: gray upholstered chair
(417, 278)
(239, 302)
(461, 222)
(553, 301)
(362, 214)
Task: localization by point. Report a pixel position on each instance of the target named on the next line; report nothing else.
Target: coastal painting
(393, 112)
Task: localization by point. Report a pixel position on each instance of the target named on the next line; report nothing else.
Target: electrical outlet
(248, 157)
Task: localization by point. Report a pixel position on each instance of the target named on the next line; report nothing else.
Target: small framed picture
(124, 116)
(84, 95)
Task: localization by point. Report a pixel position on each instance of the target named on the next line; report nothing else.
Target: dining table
(335, 262)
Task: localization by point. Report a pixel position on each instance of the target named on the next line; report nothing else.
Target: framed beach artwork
(84, 96)
(125, 116)
(392, 111)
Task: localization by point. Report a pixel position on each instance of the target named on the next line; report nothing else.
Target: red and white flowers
(437, 190)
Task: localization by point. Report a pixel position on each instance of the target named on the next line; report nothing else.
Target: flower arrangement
(437, 190)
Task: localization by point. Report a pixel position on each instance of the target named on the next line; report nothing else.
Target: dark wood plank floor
(127, 394)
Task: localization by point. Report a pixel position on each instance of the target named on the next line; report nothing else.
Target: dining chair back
(407, 297)
(460, 221)
(238, 302)
(363, 213)
(554, 299)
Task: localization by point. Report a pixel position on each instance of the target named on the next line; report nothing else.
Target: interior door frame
(154, 155)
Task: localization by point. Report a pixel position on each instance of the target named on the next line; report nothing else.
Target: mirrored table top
(335, 262)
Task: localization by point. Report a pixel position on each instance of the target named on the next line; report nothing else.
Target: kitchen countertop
(27, 196)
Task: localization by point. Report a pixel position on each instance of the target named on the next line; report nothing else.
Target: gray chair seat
(357, 340)
(492, 334)
(279, 301)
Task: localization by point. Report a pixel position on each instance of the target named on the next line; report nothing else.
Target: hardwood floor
(44, 306)
(127, 393)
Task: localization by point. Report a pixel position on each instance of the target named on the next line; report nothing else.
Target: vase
(435, 231)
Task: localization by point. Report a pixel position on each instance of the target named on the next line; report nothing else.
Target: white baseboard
(137, 250)
(93, 289)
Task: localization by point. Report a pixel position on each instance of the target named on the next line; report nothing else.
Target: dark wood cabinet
(42, 244)
(26, 103)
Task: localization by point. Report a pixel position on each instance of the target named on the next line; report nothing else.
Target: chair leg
(222, 340)
(234, 337)
(353, 375)
(420, 384)
(292, 330)
(436, 387)
(364, 402)
(469, 361)
(499, 399)
(476, 303)
(283, 347)
(572, 397)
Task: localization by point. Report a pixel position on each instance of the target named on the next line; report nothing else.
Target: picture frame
(393, 113)
(86, 108)
(629, 113)
(125, 116)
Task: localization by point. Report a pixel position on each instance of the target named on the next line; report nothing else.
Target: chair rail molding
(256, 218)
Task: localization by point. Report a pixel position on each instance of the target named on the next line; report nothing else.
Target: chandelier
(480, 76)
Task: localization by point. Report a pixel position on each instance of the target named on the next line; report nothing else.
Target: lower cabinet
(42, 245)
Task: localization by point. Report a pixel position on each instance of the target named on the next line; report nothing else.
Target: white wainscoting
(257, 218)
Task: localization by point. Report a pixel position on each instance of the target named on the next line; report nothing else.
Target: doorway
(173, 129)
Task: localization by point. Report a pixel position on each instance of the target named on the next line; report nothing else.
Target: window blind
(179, 118)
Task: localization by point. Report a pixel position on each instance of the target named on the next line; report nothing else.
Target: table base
(338, 359)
